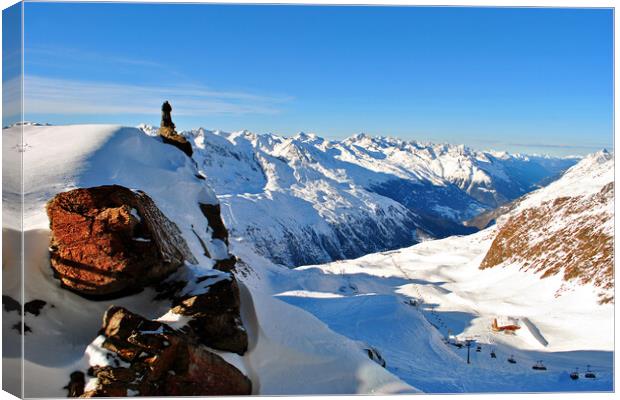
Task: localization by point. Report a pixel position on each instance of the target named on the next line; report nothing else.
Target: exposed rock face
(168, 133)
(75, 388)
(110, 240)
(150, 358)
(215, 313)
(375, 356)
(568, 235)
(213, 215)
(170, 136)
(218, 232)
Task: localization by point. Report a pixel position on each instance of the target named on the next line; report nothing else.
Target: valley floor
(405, 303)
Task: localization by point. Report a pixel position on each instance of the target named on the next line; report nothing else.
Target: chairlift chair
(539, 366)
(512, 360)
(575, 374)
(590, 374)
(493, 355)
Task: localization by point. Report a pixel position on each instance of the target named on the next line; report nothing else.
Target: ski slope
(370, 299)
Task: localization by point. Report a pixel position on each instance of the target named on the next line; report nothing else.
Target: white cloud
(45, 95)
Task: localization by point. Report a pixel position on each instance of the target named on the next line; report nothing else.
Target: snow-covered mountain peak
(585, 178)
(337, 191)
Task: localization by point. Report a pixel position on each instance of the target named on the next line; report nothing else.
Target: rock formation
(218, 232)
(214, 313)
(110, 240)
(168, 133)
(150, 358)
(561, 236)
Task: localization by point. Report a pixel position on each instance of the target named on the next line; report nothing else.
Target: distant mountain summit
(306, 200)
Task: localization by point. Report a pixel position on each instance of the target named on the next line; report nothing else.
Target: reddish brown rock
(169, 136)
(216, 319)
(168, 133)
(561, 236)
(227, 264)
(161, 362)
(108, 240)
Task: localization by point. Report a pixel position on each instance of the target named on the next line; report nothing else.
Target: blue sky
(526, 80)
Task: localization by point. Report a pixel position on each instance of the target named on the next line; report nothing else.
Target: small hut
(506, 325)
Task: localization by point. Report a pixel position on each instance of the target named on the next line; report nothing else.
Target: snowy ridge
(305, 199)
(286, 343)
(585, 178)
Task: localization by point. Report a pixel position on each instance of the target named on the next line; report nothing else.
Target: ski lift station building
(505, 324)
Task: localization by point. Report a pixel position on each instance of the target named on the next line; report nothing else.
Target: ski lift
(493, 355)
(575, 374)
(511, 359)
(590, 374)
(539, 366)
(478, 349)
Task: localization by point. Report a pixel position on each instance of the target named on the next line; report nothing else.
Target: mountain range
(393, 321)
(306, 200)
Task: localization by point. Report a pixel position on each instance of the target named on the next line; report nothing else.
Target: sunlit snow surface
(368, 299)
(287, 344)
(406, 302)
(314, 344)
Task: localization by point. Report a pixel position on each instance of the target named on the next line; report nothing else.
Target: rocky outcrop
(567, 235)
(110, 240)
(75, 387)
(213, 216)
(375, 356)
(170, 136)
(150, 358)
(214, 312)
(218, 232)
(168, 133)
